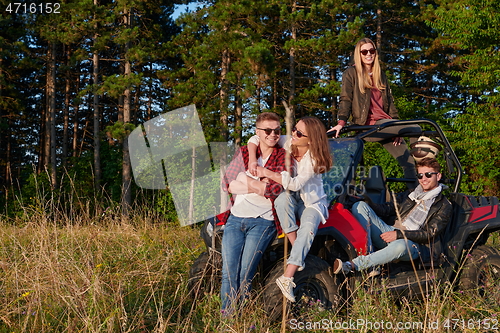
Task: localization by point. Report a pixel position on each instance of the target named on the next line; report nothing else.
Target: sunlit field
(103, 273)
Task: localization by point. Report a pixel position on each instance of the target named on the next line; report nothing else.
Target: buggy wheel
(314, 287)
(205, 274)
(481, 274)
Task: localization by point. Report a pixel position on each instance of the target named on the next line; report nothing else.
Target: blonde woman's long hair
(364, 80)
(318, 144)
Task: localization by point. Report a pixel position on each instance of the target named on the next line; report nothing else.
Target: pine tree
(470, 29)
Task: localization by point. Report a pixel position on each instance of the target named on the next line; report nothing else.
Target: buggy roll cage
(452, 162)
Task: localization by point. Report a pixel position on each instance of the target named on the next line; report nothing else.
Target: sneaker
(372, 272)
(344, 267)
(286, 285)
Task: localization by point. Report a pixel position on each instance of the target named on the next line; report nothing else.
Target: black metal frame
(452, 162)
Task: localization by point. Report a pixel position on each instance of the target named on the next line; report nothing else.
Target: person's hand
(262, 172)
(265, 180)
(367, 199)
(252, 165)
(242, 177)
(397, 141)
(389, 236)
(335, 128)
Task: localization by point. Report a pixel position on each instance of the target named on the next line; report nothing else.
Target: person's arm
(391, 106)
(387, 209)
(284, 178)
(244, 185)
(252, 145)
(437, 220)
(337, 128)
(276, 163)
(346, 96)
(266, 173)
(236, 166)
(389, 236)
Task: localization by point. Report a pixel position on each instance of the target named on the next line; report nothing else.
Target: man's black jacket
(438, 217)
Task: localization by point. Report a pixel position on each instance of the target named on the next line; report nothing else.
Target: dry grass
(107, 275)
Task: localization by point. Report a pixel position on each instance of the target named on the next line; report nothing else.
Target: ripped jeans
(290, 207)
(387, 252)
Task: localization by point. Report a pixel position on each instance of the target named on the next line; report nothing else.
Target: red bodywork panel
(479, 214)
(342, 220)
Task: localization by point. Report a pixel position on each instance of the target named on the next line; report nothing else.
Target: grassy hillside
(107, 275)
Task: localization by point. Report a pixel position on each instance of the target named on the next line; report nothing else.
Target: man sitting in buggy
(422, 215)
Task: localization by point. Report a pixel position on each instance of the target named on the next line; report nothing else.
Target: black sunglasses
(268, 131)
(365, 52)
(427, 174)
(299, 133)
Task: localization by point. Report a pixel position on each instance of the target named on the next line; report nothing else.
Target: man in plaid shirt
(252, 223)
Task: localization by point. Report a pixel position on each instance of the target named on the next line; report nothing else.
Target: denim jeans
(290, 207)
(243, 243)
(398, 249)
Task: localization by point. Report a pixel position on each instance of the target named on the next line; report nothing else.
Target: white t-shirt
(252, 204)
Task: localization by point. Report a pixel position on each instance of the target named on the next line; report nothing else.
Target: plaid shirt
(276, 163)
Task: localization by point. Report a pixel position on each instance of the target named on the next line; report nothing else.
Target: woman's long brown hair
(318, 144)
(364, 80)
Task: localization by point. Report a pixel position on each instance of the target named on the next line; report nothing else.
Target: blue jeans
(243, 243)
(398, 249)
(290, 207)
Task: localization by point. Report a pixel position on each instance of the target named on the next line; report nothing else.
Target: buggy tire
(205, 274)
(481, 273)
(315, 283)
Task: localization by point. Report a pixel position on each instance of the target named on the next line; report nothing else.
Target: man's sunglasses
(427, 174)
(365, 52)
(299, 133)
(268, 131)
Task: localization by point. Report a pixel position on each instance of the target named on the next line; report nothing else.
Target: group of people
(269, 197)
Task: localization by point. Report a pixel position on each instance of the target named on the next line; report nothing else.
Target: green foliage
(375, 154)
(476, 140)
(115, 85)
(119, 130)
(469, 28)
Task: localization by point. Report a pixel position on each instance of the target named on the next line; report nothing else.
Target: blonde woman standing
(366, 98)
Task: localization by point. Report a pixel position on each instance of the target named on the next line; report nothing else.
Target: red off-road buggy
(466, 262)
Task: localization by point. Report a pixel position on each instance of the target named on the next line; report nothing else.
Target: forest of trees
(75, 82)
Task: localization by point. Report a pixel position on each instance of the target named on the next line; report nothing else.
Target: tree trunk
(191, 192)
(223, 95)
(378, 40)
(238, 117)
(67, 99)
(334, 101)
(127, 169)
(50, 126)
(97, 120)
(76, 108)
(5, 140)
(53, 138)
(291, 95)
